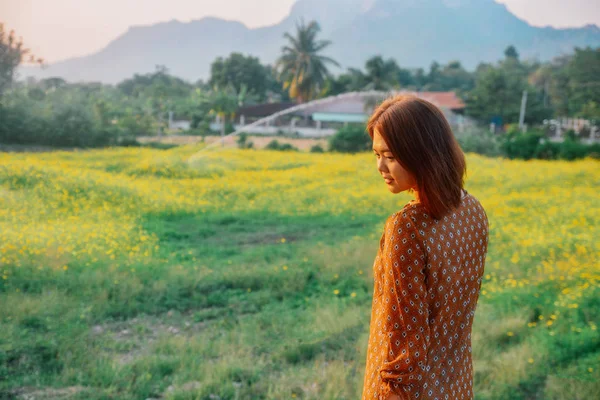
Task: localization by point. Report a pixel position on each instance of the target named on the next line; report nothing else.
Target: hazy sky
(59, 29)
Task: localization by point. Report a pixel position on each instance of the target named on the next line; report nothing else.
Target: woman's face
(396, 177)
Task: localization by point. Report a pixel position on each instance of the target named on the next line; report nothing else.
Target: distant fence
(587, 130)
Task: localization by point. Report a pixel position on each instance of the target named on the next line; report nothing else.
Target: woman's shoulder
(408, 217)
(415, 216)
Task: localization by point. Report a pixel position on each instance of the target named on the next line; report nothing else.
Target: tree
(498, 91)
(301, 68)
(238, 70)
(225, 103)
(12, 54)
(511, 52)
(584, 79)
(451, 76)
(159, 90)
(381, 74)
(350, 81)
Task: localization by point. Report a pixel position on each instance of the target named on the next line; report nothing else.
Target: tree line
(53, 111)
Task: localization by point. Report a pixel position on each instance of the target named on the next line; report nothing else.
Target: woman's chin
(394, 189)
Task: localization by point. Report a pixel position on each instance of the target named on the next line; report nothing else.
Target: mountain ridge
(414, 32)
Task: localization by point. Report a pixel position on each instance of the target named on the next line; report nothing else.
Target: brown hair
(420, 138)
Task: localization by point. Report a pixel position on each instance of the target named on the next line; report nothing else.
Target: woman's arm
(406, 312)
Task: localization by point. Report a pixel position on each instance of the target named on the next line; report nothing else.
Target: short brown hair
(420, 138)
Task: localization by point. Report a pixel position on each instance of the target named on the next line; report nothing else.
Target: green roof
(339, 117)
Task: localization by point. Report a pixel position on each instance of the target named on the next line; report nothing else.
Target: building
(324, 117)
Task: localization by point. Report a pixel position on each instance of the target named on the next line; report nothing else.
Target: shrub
(480, 141)
(129, 141)
(316, 149)
(275, 145)
(534, 145)
(521, 145)
(572, 150)
(547, 150)
(350, 139)
(242, 141)
(287, 147)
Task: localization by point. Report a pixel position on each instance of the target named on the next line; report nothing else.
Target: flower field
(246, 274)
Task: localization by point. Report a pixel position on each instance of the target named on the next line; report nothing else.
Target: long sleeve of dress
(406, 313)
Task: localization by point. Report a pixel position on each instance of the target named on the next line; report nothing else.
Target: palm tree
(302, 69)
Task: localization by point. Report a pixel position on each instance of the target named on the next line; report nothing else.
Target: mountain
(414, 32)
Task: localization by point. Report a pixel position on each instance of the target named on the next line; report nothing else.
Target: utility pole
(522, 115)
(223, 131)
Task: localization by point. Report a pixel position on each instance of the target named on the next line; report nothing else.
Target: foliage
(498, 91)
(240, 71)
(480, 141)
(534, 144)
(157, 84)
(12, 54)
(242, 141)
(384, 75)
(584, 82)
(317, 149)
(62, 119)
(275, 145)
(302, 69)
(350, 139)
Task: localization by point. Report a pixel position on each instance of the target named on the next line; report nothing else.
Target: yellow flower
(282, 240)
(336, 291)
(530, 361)
(65, 267)
(590, 369)
(285, 267)
(509, 333)
(353, 294)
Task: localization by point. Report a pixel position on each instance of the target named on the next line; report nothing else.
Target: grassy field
(246, 274)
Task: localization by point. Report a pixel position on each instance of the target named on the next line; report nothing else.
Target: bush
(521, 145)
(275, 145)
(547, 150)
(534, 145)
(480, 141)
(129, 141)
(572, 150)
(242, 141)
(350, 139)
(316, 149)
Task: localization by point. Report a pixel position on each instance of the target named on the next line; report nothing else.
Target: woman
(430, 262)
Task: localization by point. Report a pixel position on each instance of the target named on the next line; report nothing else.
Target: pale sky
(59, 29)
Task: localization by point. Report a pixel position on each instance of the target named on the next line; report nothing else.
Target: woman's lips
(388, 181)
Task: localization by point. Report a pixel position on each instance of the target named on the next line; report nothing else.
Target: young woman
(430, 262)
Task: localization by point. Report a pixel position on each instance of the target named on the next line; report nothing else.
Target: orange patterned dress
(427, 276)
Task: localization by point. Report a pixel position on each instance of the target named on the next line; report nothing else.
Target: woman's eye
(390, 158)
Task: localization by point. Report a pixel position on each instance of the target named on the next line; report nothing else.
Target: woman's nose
(381, 165)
